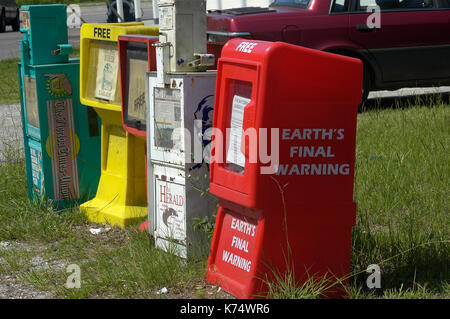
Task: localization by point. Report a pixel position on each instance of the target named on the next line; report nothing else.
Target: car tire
(2, 22)
(367, 82)
(16, 23)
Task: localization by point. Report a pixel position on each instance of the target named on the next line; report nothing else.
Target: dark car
(410, 46)
(9, 15)
(128, 12)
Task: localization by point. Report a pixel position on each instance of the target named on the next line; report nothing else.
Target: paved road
(410, 92)
(91, 13)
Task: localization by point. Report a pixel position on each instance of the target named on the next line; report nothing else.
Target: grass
(120, 263)
(401, 187)
(124, 266)
(9, 85)
(116, 264)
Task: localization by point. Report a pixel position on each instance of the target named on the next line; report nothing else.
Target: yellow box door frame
(121, 197)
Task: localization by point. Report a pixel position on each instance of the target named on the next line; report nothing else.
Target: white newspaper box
(178, 144)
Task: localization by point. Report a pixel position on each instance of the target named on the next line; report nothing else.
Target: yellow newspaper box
(121, 194)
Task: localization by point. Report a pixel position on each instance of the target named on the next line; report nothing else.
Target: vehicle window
(364, 4)
(296, 3)
(445, 4)
(416, 4)
(340, 6)
(395, 4)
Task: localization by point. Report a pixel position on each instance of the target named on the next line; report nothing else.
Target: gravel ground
(10, 285)
(12, 288)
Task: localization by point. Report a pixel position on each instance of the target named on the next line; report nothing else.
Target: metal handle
(364, 28)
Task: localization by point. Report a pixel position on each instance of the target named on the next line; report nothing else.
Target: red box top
(291, 118)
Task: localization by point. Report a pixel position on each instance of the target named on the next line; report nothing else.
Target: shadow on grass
(402, 263)
(399, 102)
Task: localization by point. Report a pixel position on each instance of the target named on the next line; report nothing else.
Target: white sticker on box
(170, 211)
(234, 154)
(107, 71)
(166, 18)
(168, 118)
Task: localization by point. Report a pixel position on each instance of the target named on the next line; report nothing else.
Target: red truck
(401, 42)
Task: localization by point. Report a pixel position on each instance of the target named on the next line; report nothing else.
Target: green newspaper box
(61, 136)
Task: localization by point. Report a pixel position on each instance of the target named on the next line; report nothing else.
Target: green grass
(9, 85)
(401, 186)
(120, 263)
(110, 267)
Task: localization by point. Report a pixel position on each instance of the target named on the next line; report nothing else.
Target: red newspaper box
(137, 56)
(282, 165)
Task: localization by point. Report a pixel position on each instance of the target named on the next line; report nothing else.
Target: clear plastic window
(137, 66)
(240, 93)
(31, 102)
(167, 116)
(102, 82)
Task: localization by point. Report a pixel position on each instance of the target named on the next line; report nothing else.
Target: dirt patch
(12, 288)
(198, 291)
(108, 233)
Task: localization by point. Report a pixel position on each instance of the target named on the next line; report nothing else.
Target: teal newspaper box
(61, 136)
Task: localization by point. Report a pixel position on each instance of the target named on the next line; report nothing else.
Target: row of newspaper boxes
(266, 142)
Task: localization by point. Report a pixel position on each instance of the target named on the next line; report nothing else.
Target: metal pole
(155, 11)
(108, 4)
(120, 11)
(243, 3)
(137, 10)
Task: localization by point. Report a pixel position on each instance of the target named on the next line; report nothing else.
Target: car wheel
(367, 82)
(16, 23)
(2, 22)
